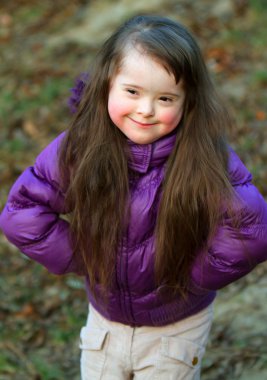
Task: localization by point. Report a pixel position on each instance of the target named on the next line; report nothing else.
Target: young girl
(162, 212)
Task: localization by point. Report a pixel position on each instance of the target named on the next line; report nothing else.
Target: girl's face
(145, 102)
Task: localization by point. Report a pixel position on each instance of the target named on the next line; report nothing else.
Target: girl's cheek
(117, 108)
(171, 116)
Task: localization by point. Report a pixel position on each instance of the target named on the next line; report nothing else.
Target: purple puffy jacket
(31, 220)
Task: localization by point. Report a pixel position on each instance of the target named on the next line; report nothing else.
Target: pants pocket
(93, 343)
(179, 359)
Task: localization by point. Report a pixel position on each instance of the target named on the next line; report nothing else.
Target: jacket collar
(143, 157)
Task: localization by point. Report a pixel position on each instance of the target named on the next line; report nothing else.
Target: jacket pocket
(182, 351)
(93, 343)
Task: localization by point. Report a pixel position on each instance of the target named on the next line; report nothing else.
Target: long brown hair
(94, 160)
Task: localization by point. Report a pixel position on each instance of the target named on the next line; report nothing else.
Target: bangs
(163, 49)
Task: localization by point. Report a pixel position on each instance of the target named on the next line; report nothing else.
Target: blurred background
(44, 45)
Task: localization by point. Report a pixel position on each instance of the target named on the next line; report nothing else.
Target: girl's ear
(77, 92)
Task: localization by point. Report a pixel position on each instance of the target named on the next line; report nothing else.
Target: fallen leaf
(28, 310)
(261, 115)
(5, 20)
(31, 129)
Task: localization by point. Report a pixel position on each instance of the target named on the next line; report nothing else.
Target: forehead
(137, 65)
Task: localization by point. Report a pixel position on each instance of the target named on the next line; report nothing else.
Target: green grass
(259, 77)
(258, 5)
(45, 371)
(30, 14)
(20, 105)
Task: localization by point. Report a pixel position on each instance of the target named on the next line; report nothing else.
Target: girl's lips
(144, 125)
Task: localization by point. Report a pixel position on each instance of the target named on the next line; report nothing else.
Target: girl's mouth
(142, 125)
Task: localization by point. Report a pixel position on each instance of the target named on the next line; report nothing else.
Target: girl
(162, 212)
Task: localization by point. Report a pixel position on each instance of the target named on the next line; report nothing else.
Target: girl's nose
(146, 108)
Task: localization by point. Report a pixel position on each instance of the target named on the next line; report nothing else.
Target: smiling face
(145, 102)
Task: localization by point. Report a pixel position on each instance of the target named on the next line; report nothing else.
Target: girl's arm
(31, 218)
(234, 252)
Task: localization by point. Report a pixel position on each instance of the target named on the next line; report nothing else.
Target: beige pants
(113, 351)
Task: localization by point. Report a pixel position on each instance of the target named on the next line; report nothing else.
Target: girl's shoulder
(250, 200)
(47, 162)
(238, 172)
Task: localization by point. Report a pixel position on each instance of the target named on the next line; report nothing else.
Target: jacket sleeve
(31, 218)
(235, 251)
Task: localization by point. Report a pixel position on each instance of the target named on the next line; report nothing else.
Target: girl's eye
(131, 91)
(165, 99)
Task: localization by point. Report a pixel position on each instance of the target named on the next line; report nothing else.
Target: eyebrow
(141, 88)
(132, 85)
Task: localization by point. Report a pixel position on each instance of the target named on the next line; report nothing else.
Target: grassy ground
(44, 45)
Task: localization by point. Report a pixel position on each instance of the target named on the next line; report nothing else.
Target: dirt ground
(44, 46)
